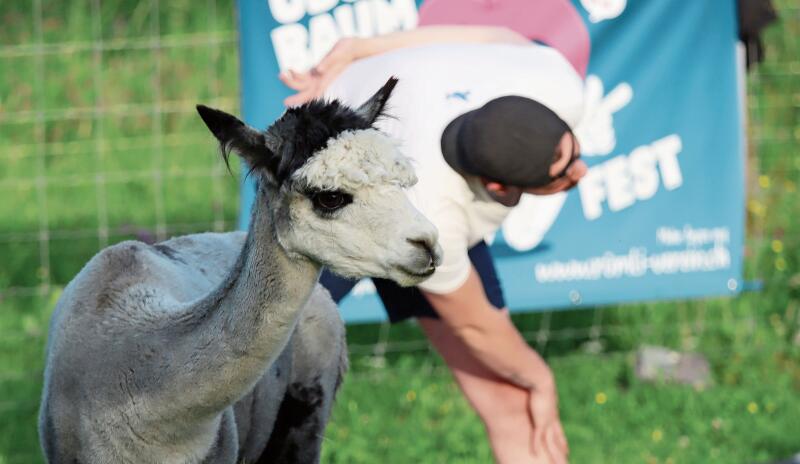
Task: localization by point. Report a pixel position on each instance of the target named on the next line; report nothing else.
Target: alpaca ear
(372, 109)
(252, 145)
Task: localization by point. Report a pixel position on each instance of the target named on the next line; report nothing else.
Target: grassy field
(99, 143)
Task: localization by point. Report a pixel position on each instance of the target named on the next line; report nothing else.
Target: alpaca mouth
(427, 273)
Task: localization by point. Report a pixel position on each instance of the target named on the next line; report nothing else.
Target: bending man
(486, 115)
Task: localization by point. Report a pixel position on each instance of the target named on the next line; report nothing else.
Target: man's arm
(436, 34)
(491, 336)
(312, 84)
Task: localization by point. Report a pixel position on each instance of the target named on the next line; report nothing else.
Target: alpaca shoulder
(133, 275)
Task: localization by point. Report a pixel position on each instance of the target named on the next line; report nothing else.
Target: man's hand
(569, 158)
(574, 174)
(549, 442)
(312, 84)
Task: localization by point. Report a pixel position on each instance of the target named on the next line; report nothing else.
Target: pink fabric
(552, 22)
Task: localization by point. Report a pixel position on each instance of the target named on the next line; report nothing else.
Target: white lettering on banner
(323, 34)
(320, 6)
(600, 10)
(667, 150)
(291, 39)
(345, 19)
(287, 11)
(643, 170)
(669, 236)
(637, 262)
(618, 183)
(623, 180)
(299, 48)
(691, 236)
(390, 16)
(634, 264)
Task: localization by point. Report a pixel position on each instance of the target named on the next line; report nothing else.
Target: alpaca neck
(241, 327)
(266, 289)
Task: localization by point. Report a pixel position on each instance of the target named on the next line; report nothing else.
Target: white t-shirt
(437, 83)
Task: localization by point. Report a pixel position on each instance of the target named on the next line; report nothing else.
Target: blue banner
(660, 213)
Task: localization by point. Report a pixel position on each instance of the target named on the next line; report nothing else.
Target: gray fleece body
(141, 368)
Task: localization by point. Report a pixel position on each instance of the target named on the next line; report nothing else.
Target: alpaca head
(334, 185)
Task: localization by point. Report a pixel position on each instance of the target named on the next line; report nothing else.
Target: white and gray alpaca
(222, 348)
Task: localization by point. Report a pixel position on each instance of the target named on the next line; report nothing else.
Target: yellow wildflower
(756, 207)
(752, 407)
(657, 435)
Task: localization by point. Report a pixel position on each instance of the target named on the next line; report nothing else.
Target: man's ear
(373, 108)
(493, 187)
(504, 194)
(254, 147)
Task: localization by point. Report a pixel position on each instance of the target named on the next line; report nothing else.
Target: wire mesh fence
(99, 143)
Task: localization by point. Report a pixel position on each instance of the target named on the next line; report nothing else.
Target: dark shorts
(404, 302)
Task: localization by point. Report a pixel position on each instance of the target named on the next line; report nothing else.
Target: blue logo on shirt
(463, 96)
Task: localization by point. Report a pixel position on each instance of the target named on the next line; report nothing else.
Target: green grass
(101, 177)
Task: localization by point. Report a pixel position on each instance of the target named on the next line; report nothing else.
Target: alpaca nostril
(421, 243)
(425, 245)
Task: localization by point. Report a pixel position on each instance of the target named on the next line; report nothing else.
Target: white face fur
(347, 210)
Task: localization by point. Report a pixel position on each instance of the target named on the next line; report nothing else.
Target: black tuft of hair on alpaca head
(306, 129)
(297, 135)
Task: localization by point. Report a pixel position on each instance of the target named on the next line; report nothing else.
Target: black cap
(511, 140)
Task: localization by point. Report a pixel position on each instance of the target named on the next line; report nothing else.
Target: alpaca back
(95, 325)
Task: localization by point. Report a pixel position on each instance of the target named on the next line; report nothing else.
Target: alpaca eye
(329, 202)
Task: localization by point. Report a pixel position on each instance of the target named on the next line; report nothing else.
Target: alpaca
(223, 348)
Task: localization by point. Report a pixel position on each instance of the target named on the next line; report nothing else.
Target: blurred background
(100, 142)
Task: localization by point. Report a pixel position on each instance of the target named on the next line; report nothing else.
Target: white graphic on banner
(600, 10)
(595, 131)
(363, 288)
(637, 261)
(527, 223)
(299, 48)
